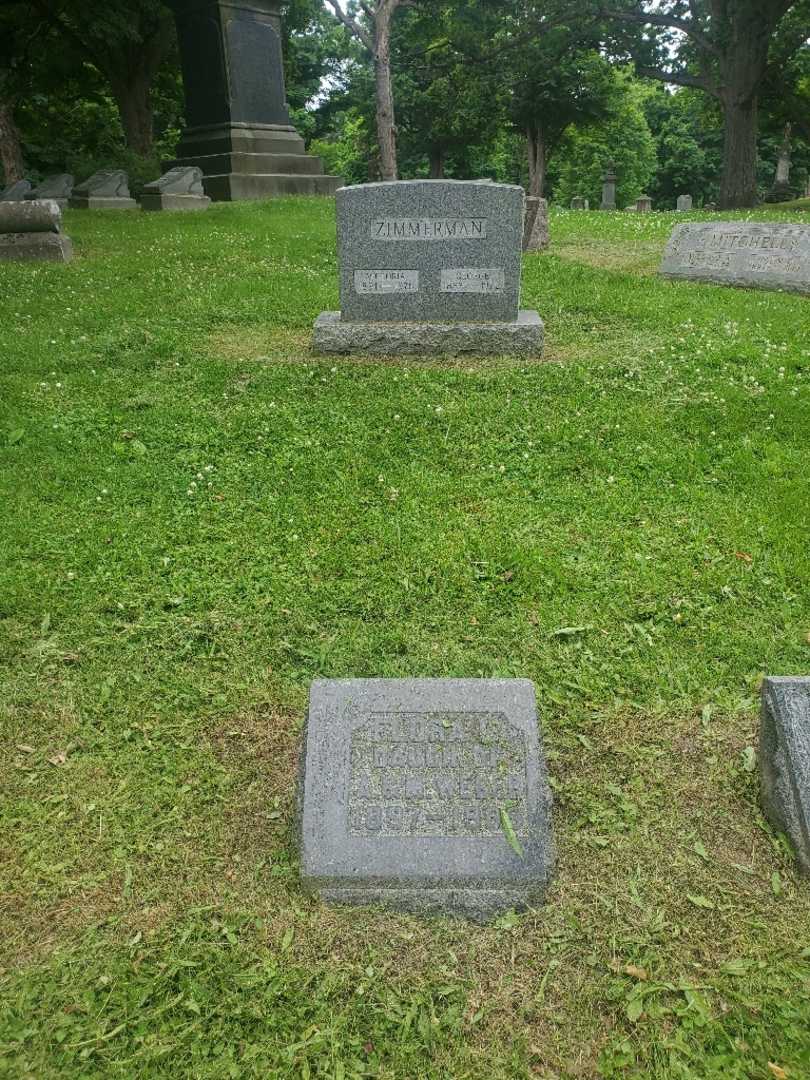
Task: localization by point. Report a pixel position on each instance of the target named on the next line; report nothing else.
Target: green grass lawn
(199, 517)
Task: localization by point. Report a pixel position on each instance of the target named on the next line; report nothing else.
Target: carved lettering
(437, 774)
(428, 229)
(386, 281)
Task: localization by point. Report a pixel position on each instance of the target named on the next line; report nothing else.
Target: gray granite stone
(180, 188)
(784, 755)
(535, 224)
(40, 216)
(58, 187)
(430, 250)
(744, 253)
(644, 204)
(609, 188)
(684, 203)
(107, 189)
(523, 337)
(579, 203)
(408, 791)
(35, 247)
(239, 131)
(15, 192)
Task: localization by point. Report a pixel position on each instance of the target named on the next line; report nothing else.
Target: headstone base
(259, 161)
(35, 246)
(174, 202)
(477, 905)
(521, 338)
(100, 202)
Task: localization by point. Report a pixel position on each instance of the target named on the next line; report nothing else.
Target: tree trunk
(437, 163)
(536, 148)
(11, 157)
(386, 132)
(738, 184)
(133, 98)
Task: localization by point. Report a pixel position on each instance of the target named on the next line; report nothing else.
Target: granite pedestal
(239, 132)
(425, 795)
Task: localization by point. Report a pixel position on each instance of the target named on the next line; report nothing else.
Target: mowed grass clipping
(200, 517)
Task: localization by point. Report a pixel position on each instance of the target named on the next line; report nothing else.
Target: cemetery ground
(200, 517)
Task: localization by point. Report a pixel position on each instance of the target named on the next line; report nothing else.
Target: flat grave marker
(425, 795)
(745, 253)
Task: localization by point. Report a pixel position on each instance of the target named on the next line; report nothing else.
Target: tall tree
(375, 34)
(127, 42)
(724, 47)
(19, 37)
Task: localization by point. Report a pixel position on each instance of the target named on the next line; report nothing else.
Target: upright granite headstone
(578, 203)
(239, 131)
(609, 188)
(747, 253)
(684, 203)
(644, 204)
(430, 266)
(781, 190)
(535, 224)
(426, 795)
(58, 187)
(32, 231)
(16, 192)
(179, 189)
(784, 754)
(107, 189)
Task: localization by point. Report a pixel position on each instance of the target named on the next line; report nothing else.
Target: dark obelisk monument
(239, 131)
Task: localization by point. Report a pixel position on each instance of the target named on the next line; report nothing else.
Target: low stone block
(35, 246)
(181, 188)
(15, 192)
(745, 253)
(535, 225)
(58, 188)
(684, 203)
(41, 216)
(107, 189)
(784, 755)
(644, 204)
(335, 335)
(579, 203)
(425, 795)
(155, 201)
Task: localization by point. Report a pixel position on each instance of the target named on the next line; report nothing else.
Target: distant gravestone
(16, 192)
(429, 266)
(58, 187)
(684, 203)
(426, 795)
(785, 760)
(31, 231)
(180, 188)
(107, 189)
(745, 253)
(578, 203)
(644, 204)
(609, 188)
(535, 224)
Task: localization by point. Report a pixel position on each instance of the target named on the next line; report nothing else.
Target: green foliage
(623, 137)
(347, 155)
(688, 133)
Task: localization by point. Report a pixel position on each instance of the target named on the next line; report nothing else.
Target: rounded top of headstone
(429, 185)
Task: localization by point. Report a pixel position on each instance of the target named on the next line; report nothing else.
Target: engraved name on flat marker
(472, 280)
(386, 281)
(437, 774)
(428, 229)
